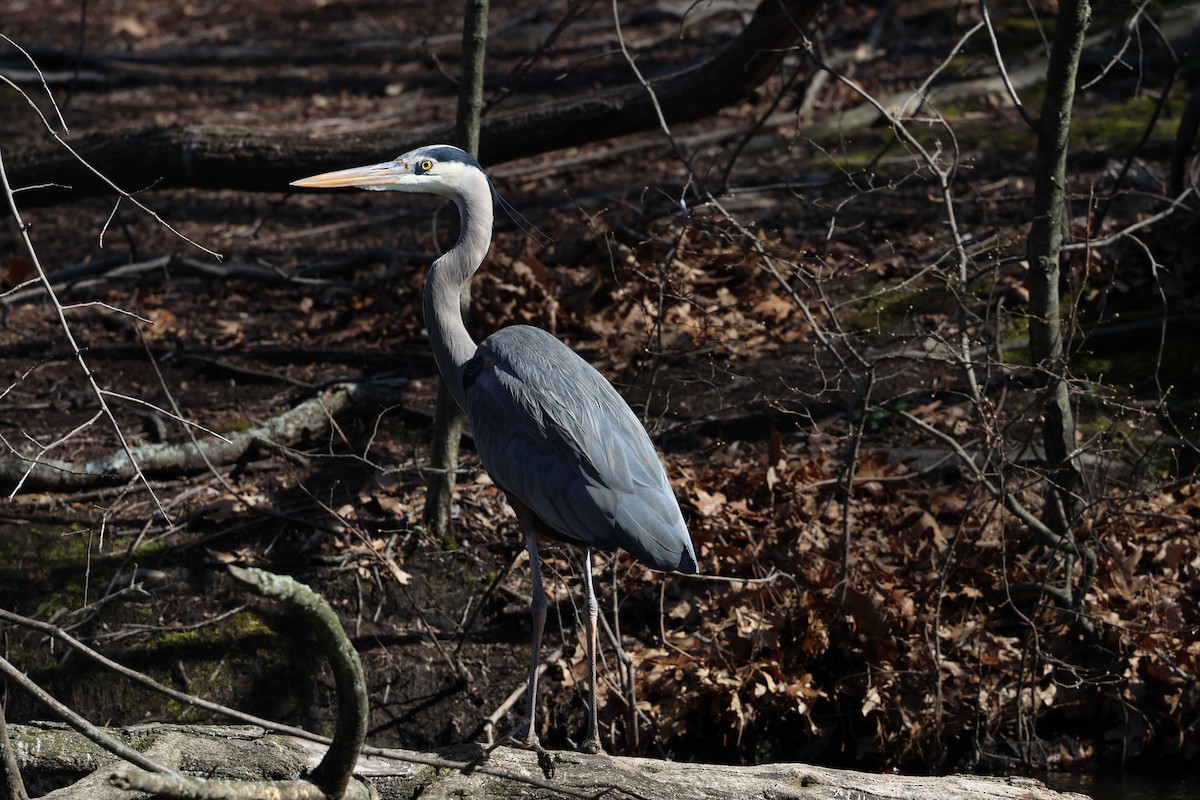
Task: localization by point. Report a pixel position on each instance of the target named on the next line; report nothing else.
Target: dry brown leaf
(707, 504)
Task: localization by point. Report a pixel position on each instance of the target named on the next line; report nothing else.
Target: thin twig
(172, 415)
(1030, 120)
(768, 262)
(86, 164)
(23, 229)
(11, 785)
(1008, 498)
(1117, 236)
(944, 176)
(489, 724)
(148, 682)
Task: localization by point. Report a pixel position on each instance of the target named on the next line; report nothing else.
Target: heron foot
(529, 741)
(592, 747)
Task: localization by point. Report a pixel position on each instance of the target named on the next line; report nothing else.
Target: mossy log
(53, 758)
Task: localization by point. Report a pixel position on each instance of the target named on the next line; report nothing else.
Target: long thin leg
(537, 611)
(592, 743)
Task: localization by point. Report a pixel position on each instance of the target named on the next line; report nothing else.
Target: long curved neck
(452, 345)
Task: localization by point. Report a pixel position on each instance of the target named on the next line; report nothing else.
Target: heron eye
(425, 165)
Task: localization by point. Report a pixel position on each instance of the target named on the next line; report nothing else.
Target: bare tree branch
(129, 460)
(11, 785)
(334, 772)
(1030, 120)
(332, 777)
(94, 174)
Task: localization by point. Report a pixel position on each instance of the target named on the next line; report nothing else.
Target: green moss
(1136, 378)
(1136, 363)
(888, 311)
(1016, 341)
(220, 657)
(232, 632)
(267, 666)
(1018, 357)
(1118, 126)
(53, 558)
(62, 564)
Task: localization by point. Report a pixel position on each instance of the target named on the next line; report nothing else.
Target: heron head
(434, 169)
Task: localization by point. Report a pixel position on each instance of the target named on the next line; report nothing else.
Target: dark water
(1128, 786)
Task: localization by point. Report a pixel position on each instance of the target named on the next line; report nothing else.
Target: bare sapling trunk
(1043, 248)
(448, 417)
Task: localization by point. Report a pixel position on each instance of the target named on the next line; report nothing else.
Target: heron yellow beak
(369, 177)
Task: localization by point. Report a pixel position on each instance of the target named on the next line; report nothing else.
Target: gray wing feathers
(555, 434)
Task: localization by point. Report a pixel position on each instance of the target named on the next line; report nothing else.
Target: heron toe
(593, 747)
(528, 741)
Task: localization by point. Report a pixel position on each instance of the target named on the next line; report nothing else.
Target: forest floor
(875, 604)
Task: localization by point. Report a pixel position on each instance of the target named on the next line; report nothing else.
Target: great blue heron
(568, 452)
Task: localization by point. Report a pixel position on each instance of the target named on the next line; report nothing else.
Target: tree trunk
(1044, 245)
(470, 90)
(448, 418)
(1185, 140)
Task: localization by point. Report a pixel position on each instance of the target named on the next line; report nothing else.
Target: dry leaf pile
(906, 620)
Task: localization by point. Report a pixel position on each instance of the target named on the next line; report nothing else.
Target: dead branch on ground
(332, 777)
(308, 419)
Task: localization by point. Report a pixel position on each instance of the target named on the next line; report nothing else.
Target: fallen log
(249, 753)
(173, 459)
(229, 157)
